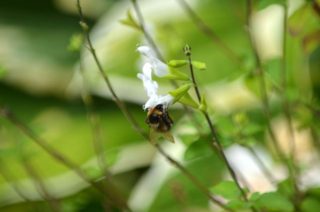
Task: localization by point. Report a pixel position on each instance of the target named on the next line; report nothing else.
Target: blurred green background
(40, 82)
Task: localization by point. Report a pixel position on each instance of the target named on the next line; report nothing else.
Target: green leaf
(180, 92)
(310, 205)
(76, 42)
(203, 104)
(254, 197)
(285, 188)
(265, 3)
(252, 84)
(199, 65)
(180, 63)
(300, 19)
(227, 189)
(176, 75)
(177, 63)
(189, 101)
(274, 201)
(237, 204)
(198, 149)
(130, 21)
(273, 71)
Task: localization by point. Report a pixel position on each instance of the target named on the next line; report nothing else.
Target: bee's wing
(154, 136)
(168, 136)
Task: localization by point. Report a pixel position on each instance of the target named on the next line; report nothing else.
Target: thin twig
(40, 185)
(216, 143)
(191, 177)
(262, 166)
(5, 173)
(154, 46)
(209, 32)
(109, 185)
(265, 98)
(10, 116)
(137, 127)
(145, 32)
(286, 110)
(119, 103)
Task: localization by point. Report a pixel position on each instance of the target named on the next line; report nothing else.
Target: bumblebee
(159, 121)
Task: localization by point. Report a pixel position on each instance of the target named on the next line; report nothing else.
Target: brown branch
(5, 173)
(108, 183)
(137, 127)
(265, 98)
(40, 185)
(215, 140)
(10, 116)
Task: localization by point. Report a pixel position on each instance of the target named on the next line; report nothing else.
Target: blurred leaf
(252, 84)
(285, 188)
(227, 189)
(265, 3)
(273, 71)
(311, 41)
(203, 104)
(130, 21)
(188, 100)
(3, 72)
(180, 92)
(198, 149)
(314, 64)
(199, 65)
(248, 63)
(252, 129)
(299, 19)
(310, 205)
(237, 204)
(180, 63)
(176, 75)
(274, 201)
(254, 197)
(177, 63)
(315, 192)
(188, 139)
(76, 42)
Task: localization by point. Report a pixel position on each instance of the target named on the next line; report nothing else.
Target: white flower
(160, 69)
(154, 65)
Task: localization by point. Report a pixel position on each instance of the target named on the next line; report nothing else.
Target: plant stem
(108, 183)
(160, 56)
(215, 139)
(209, 32)
(145, 32)
(265, 99)
(4, 172)
(137, 127)
(286, 108)
(119, 103)
(40, 185)
(262, 166)
(7, 114)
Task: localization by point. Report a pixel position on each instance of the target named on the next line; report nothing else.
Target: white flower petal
(160, 69)
(146, 51)
(165, 100)
(150, 86)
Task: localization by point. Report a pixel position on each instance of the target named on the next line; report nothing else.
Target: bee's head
(159, 107)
